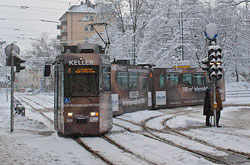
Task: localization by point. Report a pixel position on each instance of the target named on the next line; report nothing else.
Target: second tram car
(82, 92)
(129, 87)
(180, 87)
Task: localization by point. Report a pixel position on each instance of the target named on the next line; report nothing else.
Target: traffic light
(17, 62)
(47, 70)
(8, 61)
(214, 62)
(205, 65)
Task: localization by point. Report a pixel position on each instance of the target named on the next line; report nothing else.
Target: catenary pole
(12, 90)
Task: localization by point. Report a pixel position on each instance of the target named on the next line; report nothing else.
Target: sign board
(211, 31)
(12, 47)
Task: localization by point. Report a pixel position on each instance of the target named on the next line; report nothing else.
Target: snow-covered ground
(34, 140)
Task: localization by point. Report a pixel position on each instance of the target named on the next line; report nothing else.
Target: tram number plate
(93, 119)
(69, 121)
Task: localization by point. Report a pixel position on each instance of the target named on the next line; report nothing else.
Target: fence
(238, 94)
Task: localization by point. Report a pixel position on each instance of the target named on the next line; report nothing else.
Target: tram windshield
(81, 81)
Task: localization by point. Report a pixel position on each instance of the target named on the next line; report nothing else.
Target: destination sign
(85, 70)
(81, 70)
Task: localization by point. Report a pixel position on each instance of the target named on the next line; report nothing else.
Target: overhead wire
(17, 29)
(26, 9)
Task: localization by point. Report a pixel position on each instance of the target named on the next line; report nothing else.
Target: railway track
(94, 152)
(152, 133)
(231, 152)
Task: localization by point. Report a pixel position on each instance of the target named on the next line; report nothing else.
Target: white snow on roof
(81, 9)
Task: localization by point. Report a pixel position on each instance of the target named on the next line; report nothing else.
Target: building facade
(74, 24)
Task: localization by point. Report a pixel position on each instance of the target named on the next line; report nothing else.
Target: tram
(82, 91)
(129, 87)
(89, 90)
(180, 87)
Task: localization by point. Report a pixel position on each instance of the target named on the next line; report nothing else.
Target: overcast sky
(20, 20)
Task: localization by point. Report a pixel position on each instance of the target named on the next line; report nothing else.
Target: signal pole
(12, 60)
(213, 61)
(12, 90)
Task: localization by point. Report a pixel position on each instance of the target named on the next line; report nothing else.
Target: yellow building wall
(76, 28)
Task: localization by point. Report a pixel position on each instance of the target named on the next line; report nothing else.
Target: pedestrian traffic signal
(215, 62)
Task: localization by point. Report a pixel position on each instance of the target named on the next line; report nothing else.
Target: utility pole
(181, 31)
(134, 31)
(12, 90)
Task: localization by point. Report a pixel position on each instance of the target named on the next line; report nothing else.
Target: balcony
(59, 27)
(64, 33)
(64, 22)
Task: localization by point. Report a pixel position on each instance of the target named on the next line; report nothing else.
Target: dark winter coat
(207, 104)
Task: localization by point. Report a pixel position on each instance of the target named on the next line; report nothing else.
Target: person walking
(219, 105)
(207, 111)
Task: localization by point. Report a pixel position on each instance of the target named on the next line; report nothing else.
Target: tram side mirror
(47, 70)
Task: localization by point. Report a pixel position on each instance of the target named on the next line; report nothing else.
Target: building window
(85, 18)
(86, 39)
(91, 18)
(92, 28)
(86, 28)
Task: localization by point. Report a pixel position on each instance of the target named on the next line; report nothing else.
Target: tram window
(187, 79)
(133, 80)
(144, 83)
(162, 81)
(122, 80)
(172, 79)
(85, 85)
(107, 84)
(107, 79)
(199, 79)
(67, 83)
(81, 81)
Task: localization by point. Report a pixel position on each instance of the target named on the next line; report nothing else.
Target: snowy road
(128, 142)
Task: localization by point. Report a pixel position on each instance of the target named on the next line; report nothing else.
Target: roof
(79, 9)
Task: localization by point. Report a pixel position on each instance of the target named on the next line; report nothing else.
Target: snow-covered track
(125, 153)
(35, 109)
(93, 152)
(241, 156)
(157, 135)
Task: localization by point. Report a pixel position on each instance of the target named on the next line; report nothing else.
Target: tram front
(83, 103)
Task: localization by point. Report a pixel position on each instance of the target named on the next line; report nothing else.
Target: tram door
(56, 89)
(105, 99)
(58, 97)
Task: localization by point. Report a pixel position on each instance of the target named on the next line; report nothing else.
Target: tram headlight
(69, 114)
(93, 113)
